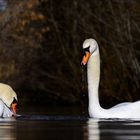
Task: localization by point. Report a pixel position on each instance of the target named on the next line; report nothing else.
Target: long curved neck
(93, 73)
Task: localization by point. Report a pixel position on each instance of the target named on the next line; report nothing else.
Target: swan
(125, 110)
(8, 101)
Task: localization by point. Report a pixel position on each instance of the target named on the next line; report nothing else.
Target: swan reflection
(113, 129)
(93, 129)
(7, 129)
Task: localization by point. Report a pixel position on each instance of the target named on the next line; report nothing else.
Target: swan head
(89, 47)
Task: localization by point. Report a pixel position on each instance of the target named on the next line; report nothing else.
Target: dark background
(41, 49)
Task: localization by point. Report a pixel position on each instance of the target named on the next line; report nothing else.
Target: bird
(8, 101)
(91, 58)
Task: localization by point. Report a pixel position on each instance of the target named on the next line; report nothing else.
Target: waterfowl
(8, 101)
(91, 57)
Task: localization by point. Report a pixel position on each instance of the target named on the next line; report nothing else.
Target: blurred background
(41, 49)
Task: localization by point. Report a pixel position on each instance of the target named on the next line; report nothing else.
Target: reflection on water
(113, 129)
(93, 130)
(7, 129)
(38, 127)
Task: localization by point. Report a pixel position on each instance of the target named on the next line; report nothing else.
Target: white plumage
(123, 110)
(4, 110)
(7, 96)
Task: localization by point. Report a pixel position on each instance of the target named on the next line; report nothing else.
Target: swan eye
(14, 100)
(86, 50)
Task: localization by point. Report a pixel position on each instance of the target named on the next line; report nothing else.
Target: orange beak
(85, 58)
(14, 107)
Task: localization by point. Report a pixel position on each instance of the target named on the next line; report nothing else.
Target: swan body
(92, 59)
(8, 101)
(5, 111)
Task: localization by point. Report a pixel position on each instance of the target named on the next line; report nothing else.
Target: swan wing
(121, 104)
(125, 110)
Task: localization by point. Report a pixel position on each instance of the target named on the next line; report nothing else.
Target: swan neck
(93, 82)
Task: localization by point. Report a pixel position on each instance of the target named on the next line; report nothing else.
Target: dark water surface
(43, 127)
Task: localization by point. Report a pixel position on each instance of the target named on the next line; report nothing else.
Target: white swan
(92, 59)
(8, 101)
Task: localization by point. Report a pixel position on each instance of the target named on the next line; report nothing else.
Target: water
(113, 129)
(43, 127)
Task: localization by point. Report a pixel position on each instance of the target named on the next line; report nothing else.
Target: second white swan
(8, 101)
(126, 110)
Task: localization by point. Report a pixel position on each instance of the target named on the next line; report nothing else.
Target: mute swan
(8, 101)
(92, 59)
